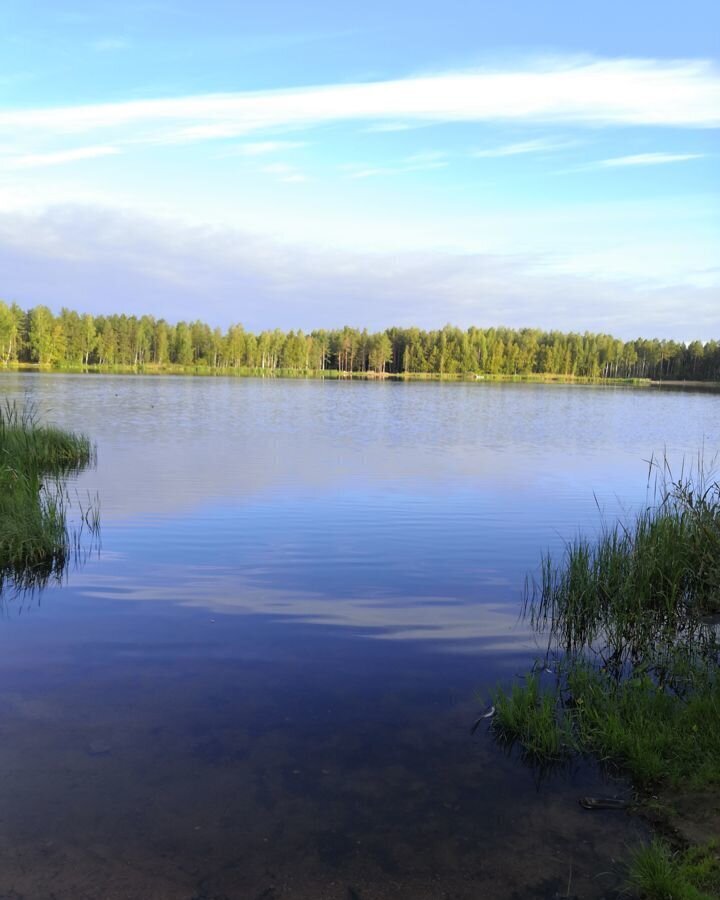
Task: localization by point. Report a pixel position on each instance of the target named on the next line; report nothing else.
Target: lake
(261, 684)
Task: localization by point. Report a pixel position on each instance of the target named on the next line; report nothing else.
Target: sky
(299, 165)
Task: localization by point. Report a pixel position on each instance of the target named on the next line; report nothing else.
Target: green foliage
(120, 340)
(655, 873)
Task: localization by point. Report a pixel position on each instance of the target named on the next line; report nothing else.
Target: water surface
(263, 683)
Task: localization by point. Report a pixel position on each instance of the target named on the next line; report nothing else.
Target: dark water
(262, 686)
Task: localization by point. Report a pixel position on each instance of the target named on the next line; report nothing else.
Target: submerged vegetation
(37, 336)
(36, 542)
(631, 674)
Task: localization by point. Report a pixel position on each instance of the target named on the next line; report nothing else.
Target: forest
(74, 340)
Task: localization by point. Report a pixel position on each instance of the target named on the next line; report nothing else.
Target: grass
(35, 540)
(656, 873)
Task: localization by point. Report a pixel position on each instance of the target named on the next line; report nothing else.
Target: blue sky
(303, 165)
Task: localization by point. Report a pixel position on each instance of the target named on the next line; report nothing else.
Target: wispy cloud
(109, 45)
(646, 159)
(372, 172)
(595, 92)
(187, 134)
(425, 157)
(285, 172)
(416, 162)
(61, 157)
(263, 148)
(539, 145)
(389, 127)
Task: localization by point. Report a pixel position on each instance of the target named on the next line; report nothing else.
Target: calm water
(262, 685)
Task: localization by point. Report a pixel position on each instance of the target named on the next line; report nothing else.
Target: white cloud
(277, 169)
(264, 148)
(646, 159)
(428, 156)
(416, 162)
(285, 172)
(590, 92)
(389, 127)
(190, 134)
(59, 158)
(373, 172)
(382, 171)
(540, 145)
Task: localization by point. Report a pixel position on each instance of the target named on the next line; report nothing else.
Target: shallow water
(262, 685)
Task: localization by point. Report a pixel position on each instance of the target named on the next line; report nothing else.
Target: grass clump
(35, 541)
(35, 448)
(528, 716)
(656, 873)
(636, 657)
(634, 724)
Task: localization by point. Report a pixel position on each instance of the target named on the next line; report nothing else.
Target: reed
(643, 583)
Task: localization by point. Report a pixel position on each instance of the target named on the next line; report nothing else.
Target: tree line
(72, 339)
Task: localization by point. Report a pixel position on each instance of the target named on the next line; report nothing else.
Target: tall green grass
(639, 585)
(635, 656)
(36, 542)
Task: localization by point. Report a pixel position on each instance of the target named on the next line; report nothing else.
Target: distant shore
(130, 343)
(335, 375)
